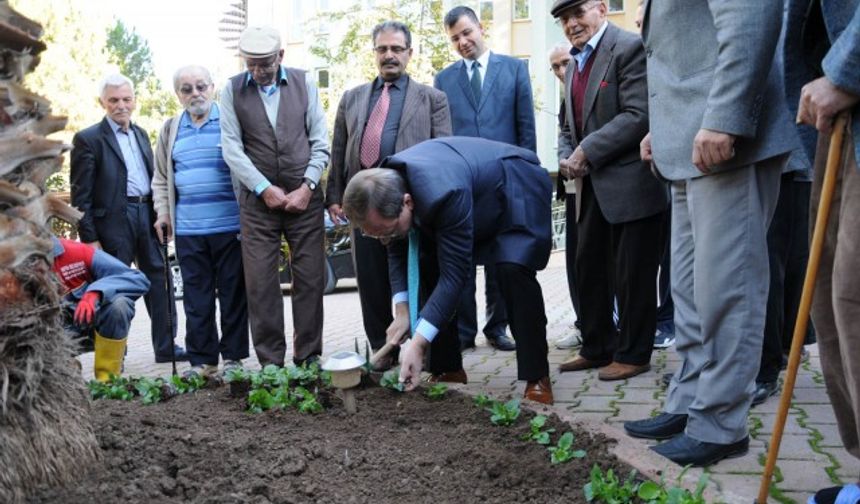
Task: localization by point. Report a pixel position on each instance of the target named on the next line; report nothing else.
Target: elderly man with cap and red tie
(277, 158)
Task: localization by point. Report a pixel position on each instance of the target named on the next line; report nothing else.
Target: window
(322, 78)
(616, 5)
(521, 9)
(485, 10)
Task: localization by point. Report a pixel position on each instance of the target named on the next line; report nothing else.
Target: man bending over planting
(99, 294)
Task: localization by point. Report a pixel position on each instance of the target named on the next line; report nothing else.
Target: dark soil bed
(205, 448)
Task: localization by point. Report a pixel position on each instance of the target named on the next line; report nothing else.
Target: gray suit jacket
(616, 119)
(723, 80)
(425, 115)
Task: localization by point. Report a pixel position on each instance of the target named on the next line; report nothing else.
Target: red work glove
(86, 310)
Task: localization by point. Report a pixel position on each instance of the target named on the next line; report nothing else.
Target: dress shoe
(621, 371)
(666, 379)
(684, 450)
(458, 376)
(580, 363)
(313, 359)
(466, 345)
(572, 340)
(502, 342)
(662, 426)
(539, 391)
(181, 356)
(763, 390)
(832, 495)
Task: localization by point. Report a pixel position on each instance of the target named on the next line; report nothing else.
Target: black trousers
(467, 312)
(788, 253)
(145, 251)
(211, 267)
(617, 260)
(665, 306)
(570, 244)
(374, 289)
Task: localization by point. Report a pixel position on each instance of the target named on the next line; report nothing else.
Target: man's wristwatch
(311, 184)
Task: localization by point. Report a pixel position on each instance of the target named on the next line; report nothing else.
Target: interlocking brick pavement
(581, 397)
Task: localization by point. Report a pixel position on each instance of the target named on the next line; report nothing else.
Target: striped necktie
(372, 140)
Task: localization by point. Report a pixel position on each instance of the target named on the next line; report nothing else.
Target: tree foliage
(130, 53)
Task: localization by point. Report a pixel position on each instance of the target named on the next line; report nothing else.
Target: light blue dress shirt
(138, 181)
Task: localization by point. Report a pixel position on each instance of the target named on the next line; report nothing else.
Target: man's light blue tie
(412, 279)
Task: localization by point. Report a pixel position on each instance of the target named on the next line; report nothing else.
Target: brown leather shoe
(539, 391)
(621, 371)
(580, 363)
(449, 377)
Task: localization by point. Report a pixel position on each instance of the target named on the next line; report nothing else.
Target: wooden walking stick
(831, 172)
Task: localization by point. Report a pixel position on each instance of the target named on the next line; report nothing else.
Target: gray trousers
(836, 305)
(719, 285)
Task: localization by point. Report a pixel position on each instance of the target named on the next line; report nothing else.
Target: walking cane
(170, 303)
(831, 171)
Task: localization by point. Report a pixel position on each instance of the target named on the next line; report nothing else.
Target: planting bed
(204, 447)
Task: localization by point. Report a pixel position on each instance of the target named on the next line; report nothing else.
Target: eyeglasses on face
(395, 49)
(188, 89)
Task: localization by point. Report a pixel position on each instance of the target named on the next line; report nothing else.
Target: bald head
(559, 57)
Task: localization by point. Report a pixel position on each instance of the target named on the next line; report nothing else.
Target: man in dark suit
(111, 172)
(619, 202)
(490, 97)
(374, 121)
(460, 201)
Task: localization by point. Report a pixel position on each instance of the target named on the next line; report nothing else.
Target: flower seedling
(537, 432)
(562, 452)
(437, 391)
(505, 413)
(608, 488)
(236, 374)
(390, 380)
(260, 400)
(307, 401)
(482, 401)
(149, 390)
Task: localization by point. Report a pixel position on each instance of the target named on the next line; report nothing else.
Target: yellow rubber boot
(108, 358)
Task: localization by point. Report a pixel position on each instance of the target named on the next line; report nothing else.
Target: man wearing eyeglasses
(374, 121)
(111, 171)
(194, 199)
(274, 139)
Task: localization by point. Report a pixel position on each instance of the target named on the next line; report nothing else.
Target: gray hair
(381, 189)
(189, 69)
(114, 80)
(561, 46)
(395, 26)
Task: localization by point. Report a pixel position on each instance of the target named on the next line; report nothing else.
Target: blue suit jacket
(476, 201)
(841, 64)
(506, 112)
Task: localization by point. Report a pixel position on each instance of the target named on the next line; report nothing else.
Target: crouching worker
(460, 201)
(99, 293)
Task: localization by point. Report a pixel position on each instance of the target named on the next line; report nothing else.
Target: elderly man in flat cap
(619, 203)
(274, 138)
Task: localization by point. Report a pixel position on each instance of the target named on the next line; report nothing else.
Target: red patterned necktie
(372, 140)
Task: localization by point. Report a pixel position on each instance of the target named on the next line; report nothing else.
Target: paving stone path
(811, 454)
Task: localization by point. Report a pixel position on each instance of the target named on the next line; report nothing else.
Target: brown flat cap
(259, 42)
(562, 5)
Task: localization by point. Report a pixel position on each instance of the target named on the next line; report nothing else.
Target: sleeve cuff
(400, 297)
(262, 186)
(427, 330)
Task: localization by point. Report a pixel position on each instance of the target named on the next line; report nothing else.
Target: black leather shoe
(684, 450)
(662, 426)
(502, 342)
(763, 390)
(666, 379)
(465, 345)
(181, 356)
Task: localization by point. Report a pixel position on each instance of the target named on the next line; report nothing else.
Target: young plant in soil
(187, 385)
(116, 387)
(239, 380)
(260, 400)
(607, 488)
(564, 451)
(482, 401)
(537, 432)
(283, 398)
(390, 380)
(437, 391)
(307, 401)
(149, 390)
(505, 413)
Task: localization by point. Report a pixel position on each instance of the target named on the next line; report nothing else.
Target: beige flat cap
(259, 42)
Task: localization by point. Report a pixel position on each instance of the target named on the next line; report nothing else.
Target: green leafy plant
(260, 400)
(505, 413)
(273, 376)
(608, 489)
(563, 452)
(236, 374)
(537, 432)
(185, 385)
(117, 387)
(149, 390)
(482, 401)
(437, 391)
(307, 401)
(391, 380)
(283, 398)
